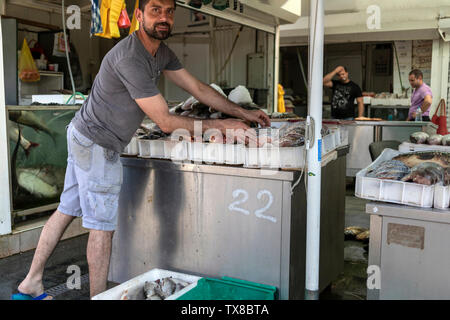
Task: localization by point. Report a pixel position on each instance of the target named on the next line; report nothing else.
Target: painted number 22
(258, 213)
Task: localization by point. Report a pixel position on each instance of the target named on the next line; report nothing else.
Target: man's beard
(159, 35)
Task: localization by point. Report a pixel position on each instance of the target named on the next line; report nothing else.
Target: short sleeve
(173, 63)
(334, 83)
(135, 76)
(358, 92)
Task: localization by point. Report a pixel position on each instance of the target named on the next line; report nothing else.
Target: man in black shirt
(345, 92)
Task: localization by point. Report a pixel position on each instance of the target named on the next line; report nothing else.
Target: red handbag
(441, 119)
(124, 21)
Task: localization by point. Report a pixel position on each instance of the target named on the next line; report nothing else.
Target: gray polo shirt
(110, 116)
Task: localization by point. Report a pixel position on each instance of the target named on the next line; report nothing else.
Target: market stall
(216, 220)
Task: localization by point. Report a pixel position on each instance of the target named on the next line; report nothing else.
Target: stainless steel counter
(409, 247)
(362, 133)
(219, 221)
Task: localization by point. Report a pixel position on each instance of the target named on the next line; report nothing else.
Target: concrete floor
(351, 285)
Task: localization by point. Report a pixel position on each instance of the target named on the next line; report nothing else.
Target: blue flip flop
(23, 296)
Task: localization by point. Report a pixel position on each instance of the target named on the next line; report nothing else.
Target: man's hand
(237, 130)
(258, 116)
(339, 69)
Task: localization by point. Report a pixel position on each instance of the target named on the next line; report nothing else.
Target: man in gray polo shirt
(124, 91)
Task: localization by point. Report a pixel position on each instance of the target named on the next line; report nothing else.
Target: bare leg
(98, 255)
(50, 235)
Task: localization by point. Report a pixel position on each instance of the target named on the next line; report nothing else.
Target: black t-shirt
(343, 100)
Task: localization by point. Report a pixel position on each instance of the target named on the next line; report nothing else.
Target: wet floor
(351, 284)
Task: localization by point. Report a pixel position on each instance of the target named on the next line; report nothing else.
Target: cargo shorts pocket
(103, 199)
(81, 148)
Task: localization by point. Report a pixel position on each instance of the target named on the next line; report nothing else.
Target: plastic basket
(135, 286)
(229, 289)
(144, 147)
(132, 149)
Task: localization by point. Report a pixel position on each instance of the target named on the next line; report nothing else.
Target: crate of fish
(234, 154)
(292, 157)
(328, 143)
(157, 149)
(269, 156)
(175, 150)
(132, 149)
(251, 158)
(144, 148)
(441, 197)
(404, 178)
(213, 153)
(156, 284)
(195, 151)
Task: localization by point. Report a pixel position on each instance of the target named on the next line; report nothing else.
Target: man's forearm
(425, 106)
(174, 122)
(329, 76)
(360, 109)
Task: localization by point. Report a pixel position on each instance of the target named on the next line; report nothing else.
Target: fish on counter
(412, 159)
(13, 134)
(427, 173)
(446, 140)
(435, 139)
(389, 170)
(419, 137)
(28, 118)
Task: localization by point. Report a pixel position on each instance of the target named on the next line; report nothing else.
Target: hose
(67, 53)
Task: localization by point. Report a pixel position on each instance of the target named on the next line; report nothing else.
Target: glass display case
(38, 157)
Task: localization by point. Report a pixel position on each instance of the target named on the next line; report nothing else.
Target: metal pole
(314, 156)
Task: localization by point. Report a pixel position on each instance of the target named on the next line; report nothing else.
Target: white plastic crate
(251, 158)
(157, 149)
(337, 137)
(441, 197)
(195, 151)
(292, 157)
(175, 150)
(269, 157)
(328, 143)
(411, 147)
(144, 147)
(135, 286)
(132, 149)
(234, 154)
(213, 153)
(400, 192)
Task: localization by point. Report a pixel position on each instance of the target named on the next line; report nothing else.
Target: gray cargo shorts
(92, 184)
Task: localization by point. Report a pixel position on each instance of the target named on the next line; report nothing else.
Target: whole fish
(389, 170)
(28, 118)
(350, 233)
(446, 140)
(414, 158)
(435, 139)
(419, 137)
(427, 173)
(13, 134)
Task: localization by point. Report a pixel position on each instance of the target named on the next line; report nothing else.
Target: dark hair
(143, 3)
(417, 73)
(345, 68)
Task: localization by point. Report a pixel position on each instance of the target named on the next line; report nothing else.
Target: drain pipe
(314, 156)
